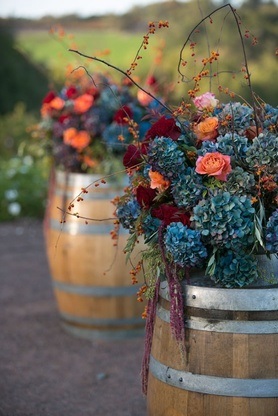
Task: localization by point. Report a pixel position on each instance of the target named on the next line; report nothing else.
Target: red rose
(164, 127)
(169, 213)
(49, 97)
(145, 196)
(132, 156)
(122, 115)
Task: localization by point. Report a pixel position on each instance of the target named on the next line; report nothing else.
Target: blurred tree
(20, 80)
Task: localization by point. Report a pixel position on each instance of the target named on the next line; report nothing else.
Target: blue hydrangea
(235, 269)
(241, 118)
(111, 137)
(128, 212)
(165, 157)
(207, 147)
(95, 120)
(150, 226)
(270, 117)
(233, 145)
(187, 188)
(225, 220)
(263, 151)
(184, 245)
(271, 236)
(240, 182)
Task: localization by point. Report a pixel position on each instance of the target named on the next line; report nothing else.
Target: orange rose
(56, 104)
(77, 139)
(158, 181)
(83, 103)
(207, 129)
(214, 164)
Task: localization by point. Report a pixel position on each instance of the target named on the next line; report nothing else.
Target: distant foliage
(21, 80)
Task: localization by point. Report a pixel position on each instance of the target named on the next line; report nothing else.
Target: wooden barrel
(91, 279)
(231, 366)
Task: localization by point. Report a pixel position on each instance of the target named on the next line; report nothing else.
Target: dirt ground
(44, 371)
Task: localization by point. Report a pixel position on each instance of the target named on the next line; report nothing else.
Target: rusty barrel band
(219, 386)
(237, 327)
(97, 291)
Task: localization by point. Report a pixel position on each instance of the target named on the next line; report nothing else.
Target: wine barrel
(90, 277)
(231, 363)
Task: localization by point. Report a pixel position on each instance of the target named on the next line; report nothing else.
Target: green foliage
(14, 130)
(23, 188)
(23, 167)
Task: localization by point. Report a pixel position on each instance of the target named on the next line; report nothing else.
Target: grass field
(52, 51)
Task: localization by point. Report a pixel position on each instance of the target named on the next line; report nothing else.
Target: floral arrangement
(87, 125)
(203, 191)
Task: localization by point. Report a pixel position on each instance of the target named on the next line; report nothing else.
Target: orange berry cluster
(145, 313)
(145, 42)
(141, 292)
(134, 272)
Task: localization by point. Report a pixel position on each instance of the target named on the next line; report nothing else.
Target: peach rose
(83, 103)
(158, 181)
(214, 164)
(207, 129)
(143, 98)
(77, 139)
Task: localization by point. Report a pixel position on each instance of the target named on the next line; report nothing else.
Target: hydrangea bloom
(240, 116)
(165, 157)
(271, 234)
(263, 151)
(128, 213)
(184, 245)
(239, 182)
(187, 188)
(225, 219)
(235, 269)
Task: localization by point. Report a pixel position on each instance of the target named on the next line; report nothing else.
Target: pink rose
(206, 100)
(214, 164)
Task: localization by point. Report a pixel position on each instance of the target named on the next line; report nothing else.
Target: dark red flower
(63, 118)
(151, 80)
(132, 156)
(92, 90)
(169, 213)
(145, 196)
(123, 114)
(164, 127)
(49, 97)
(71, 92)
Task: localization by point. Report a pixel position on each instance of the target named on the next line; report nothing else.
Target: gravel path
(45, 371)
